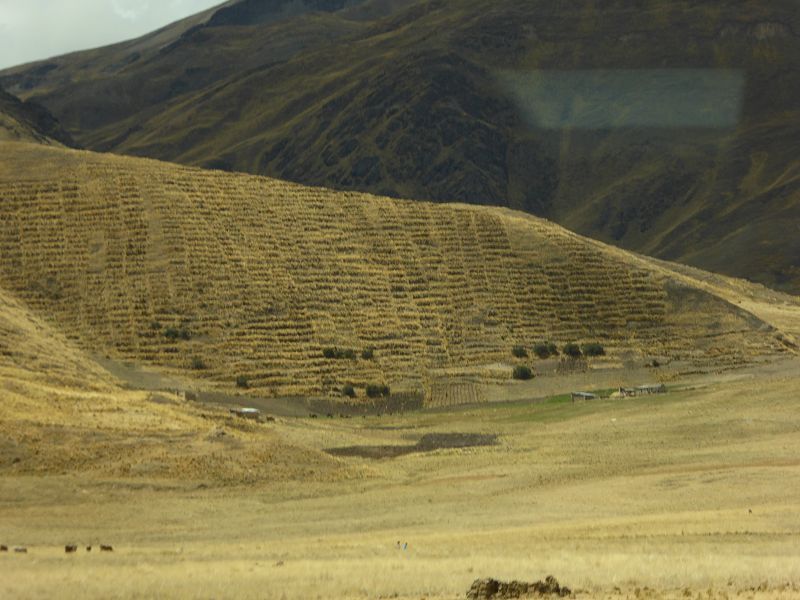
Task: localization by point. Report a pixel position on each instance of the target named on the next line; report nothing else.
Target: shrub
(198, 364)
(376, 391)
(519, 352)
(572, 350)
(545, 349)
(338, 353)
(242, 382)
(155, 325)
(368, 354)
(173, 333)
(522, 372)
(594, 349)
(349, 391)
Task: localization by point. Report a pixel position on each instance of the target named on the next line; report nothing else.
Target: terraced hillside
(62, 413)
(230, 276)
(667, 127)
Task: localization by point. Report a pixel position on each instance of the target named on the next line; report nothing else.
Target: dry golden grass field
(689, 494)
(693, 493)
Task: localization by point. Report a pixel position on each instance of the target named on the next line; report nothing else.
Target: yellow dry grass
(61, 413)
(264, 275)
(692, 494)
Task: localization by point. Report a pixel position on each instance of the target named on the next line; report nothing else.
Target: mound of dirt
(492, 589)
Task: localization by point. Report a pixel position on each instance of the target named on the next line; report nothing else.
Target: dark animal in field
(106, 548)
(70, 548)
(88, 548)
(3, 548)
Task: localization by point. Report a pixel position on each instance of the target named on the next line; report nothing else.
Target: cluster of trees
(571, 349)
(544, 350)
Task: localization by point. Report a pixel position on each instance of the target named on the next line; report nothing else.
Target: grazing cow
(21, 550)
(70, 548)
(3, 548)
(88, 548)
(105, 548)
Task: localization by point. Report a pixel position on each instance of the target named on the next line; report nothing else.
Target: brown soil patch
(427, 443)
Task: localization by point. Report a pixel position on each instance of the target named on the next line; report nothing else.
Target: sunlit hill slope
(228, 276)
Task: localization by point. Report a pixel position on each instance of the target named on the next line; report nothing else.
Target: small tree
(593, 349)
(349, 391)
(519, 352)
(572, 350)
(376, 391)
(368, 354)
(242, 382)
(522, 372)
(198, 364)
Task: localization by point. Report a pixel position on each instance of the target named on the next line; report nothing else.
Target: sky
(38, 29)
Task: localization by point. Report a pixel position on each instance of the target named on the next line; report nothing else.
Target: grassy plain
(689, 494)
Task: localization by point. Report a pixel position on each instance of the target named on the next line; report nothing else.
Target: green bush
(522, 372)
(545, 349)
(155, 325)
(349, 391)
(519, 352)
(572, 350)
(594, 349)
(376, 391)
(368, 354)
(242, 382)
(198, 364)
(175, 333)
(338, 353)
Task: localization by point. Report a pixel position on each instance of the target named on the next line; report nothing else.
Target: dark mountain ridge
(30, 121)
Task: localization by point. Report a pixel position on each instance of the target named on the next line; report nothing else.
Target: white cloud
(130, 13)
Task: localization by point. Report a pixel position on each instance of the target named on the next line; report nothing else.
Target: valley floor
(695, 493)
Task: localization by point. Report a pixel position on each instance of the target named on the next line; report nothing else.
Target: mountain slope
(60, 413)
(666, 127)
(29, 122)
(226, 276)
